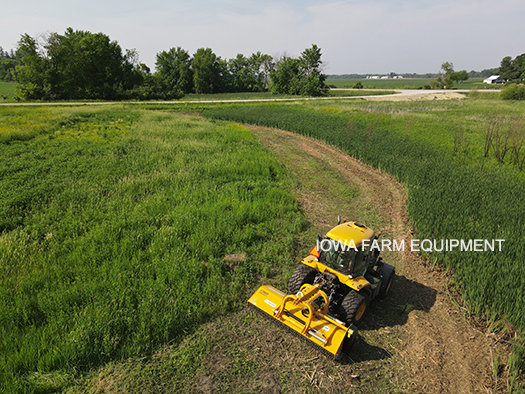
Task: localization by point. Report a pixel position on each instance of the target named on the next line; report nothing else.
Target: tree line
(8, 62)
(513, 70)
(84, 65)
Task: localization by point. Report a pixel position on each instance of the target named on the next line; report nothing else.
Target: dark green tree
(33, 70)
(505, 69)
(286, 76)
(260, 66)
(314, 80)
(444, 78)
(513, 70)
(267, 66)
(76, 65)
(241, 76)
(206, 71)
(459, 76)
(174, 71)
(299, 76)
(86, 65)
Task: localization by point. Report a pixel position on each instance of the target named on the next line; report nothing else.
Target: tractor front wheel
(354, 307)
(302, 274)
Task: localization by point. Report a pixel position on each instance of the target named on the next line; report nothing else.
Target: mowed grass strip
(114, 228)
(449, 196)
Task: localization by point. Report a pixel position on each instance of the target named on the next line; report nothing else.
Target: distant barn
(493, 79)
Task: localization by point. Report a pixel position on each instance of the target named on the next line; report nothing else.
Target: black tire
(354, 307)
(302, 274)
(388, 272)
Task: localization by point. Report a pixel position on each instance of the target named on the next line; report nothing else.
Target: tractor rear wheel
(302, 274)
(354, 307)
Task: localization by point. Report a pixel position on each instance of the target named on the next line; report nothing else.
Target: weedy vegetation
(114, 227)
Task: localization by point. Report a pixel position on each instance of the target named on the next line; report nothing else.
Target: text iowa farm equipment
(330, 291)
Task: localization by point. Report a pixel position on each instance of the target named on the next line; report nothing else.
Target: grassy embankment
(454, 192)
(114, 224)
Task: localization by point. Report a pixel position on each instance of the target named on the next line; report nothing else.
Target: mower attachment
(305, 315)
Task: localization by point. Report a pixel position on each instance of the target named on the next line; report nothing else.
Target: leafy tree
(8, 62)
(286, 76)
(299, 76)
(513, 70)
(459, 76)
(205, 71)
(448, 69)
(7, 69)
(311, 68)
(445, 77)
(240, 73)
(78, 64)
(506, 69)
(174, 71)
(85, 65)
(248, 74)
(33, 70)
(267, 66)
(224, 78)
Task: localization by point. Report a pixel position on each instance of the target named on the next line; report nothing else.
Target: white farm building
(493, 79)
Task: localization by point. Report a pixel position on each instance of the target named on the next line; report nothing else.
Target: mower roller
(329, 292)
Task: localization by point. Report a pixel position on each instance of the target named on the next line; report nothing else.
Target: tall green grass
(448, 198)
(114, 226)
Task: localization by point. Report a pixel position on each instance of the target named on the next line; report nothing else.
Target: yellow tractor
(330, 291)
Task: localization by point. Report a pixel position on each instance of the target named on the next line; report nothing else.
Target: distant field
(405, 83)
(7, 90)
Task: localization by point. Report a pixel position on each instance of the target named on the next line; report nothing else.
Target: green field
(7, 91)
(114, 226)
(405, 83)
(115, 222)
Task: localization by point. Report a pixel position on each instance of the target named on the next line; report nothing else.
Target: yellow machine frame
(306, 314)
(301, 315)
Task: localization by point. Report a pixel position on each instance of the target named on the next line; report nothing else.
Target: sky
(355, 36)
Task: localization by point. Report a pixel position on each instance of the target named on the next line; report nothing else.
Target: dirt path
(439, 351)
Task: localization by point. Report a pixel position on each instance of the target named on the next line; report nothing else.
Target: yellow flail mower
(329, 292)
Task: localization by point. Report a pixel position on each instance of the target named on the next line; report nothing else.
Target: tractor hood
(348, 231)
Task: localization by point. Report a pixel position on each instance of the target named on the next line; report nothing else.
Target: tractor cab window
(360, 264)
(338, 256)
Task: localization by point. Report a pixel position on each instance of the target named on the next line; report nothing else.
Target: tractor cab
(342, 249)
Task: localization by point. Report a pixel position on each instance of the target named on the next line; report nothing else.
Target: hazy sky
(355, 36)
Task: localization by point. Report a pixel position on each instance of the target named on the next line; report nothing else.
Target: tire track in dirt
(442, 352)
